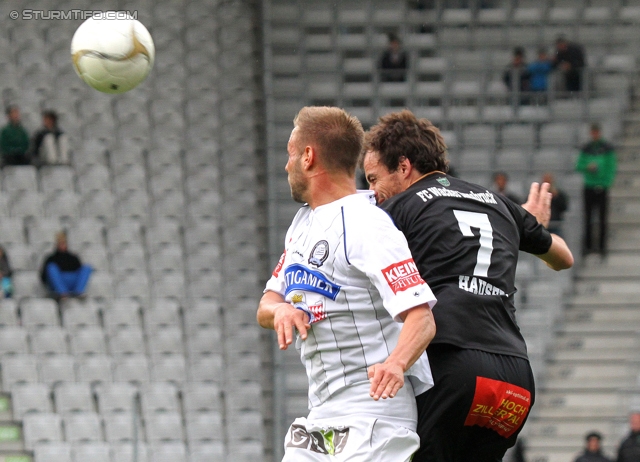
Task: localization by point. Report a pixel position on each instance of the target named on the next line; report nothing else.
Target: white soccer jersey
(349, 268)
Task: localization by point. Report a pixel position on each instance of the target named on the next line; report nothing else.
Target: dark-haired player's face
(382, 182)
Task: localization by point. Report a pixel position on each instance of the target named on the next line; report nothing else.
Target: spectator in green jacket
(14, 140)
(597, 163)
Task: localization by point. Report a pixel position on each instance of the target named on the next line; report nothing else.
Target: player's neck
(325, 188)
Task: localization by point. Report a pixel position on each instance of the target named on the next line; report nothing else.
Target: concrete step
(615, 314)
(551, 455)
(612, 289)
(584, 404)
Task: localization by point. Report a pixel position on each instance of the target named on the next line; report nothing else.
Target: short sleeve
(534, 238)
(380, 250)
(276, 281)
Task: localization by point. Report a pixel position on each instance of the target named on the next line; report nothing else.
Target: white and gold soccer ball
(113, 52)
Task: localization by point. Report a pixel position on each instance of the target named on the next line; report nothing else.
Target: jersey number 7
(468, 220)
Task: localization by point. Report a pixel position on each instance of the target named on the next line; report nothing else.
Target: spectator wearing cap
(593, 451)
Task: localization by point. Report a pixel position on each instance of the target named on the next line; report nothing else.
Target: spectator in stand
(5, 274)
(500, 181)
(559, 204)
(517, 71)
(50, 144)
(63, 272)
(597, 163)
(394, 61)
(629, 450)
(593, 451)
(539, 71)
(14, 140)
(571, 61)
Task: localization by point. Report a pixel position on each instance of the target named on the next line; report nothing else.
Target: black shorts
(477, 407)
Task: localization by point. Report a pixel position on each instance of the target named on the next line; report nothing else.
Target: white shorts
(352, 439)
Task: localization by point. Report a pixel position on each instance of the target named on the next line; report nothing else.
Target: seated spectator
(592, 451)
(571, 61)
(50, 144)
(394, 62)
(539, 71)
(14, 140)
(5, 274)
(500, 181)
(559, 204)
(517, 72)
(63, 273)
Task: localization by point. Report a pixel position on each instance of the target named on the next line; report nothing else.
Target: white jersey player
(346, 282)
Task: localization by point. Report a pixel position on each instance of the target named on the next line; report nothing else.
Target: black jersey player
(465, 241)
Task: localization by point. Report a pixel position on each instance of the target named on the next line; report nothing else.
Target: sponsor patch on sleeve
(278, 267)
(500, 406)
(402, 275)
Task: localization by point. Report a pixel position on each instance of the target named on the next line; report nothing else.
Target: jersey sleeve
(380, 250)
(534, 238)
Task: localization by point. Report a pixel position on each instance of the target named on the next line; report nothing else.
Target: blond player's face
(382, 182)
(297, 181)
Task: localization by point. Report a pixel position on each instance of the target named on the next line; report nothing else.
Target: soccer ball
(112, 52)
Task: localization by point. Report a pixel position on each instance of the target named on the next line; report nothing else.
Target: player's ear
(404, 166)
(309, 157)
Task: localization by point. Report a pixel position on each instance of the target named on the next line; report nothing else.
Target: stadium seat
(124, 452)
(128, 259)
(30, 397)
(96, 368)
(73, 397)
(118, 427)
(207, 369)
(13, 340)
(41, 428)
(94, 451)
(159, 398)
(204, 341)
(202, 314)
(162, 233)
(124, 234)
(125, 340)
(17, 179)
(58, 368)
(62, 205)
(88, 341)
(116, 397)
(166, 341)
(52, 452)
(8, 314)
(26, 204)
(204, 427)
(169, 368)
(49, 341)
(55, 179)
(132, 368)
(162, 314)
(82, 427)
(95, 178)
(135, 286)
(39, 312)
(98, 205)
(12, 231)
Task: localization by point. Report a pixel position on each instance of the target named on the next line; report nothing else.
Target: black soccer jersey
(465, 241)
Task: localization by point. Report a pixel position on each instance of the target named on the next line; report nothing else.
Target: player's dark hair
(336, 135)
(9, 108)
(593, 435)
(519, 51)
(402, 134)
(595, 127)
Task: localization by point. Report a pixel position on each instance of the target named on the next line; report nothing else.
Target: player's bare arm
(559, 256)
(418, 330)
(274, 313)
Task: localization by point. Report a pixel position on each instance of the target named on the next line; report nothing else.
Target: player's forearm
(418, 330)
(266, 308)
(559, 256)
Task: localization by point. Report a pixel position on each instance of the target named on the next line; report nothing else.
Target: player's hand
(539, 203)
(386, 379)
(285, 318)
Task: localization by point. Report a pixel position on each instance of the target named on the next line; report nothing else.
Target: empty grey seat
(135, 286)
(169, 368)
(19, 178)
(479, 136)
(204, 427)
(123, 452)
(522, 136)
(116, 397)
(118, 427)
(164, 427)
(474, 160)
(206, 451)
(23, 257)
(162, 233)
(159, 397)
(202, 314)
(558, 134)
(94, 452)
(98, 205)
(8, 314)
(86, 231)
(132, 368)
(57, 178)
(206, 368)
(41, 428)
(73, 397)
(94, 179)
(166, 341)
(170, 285)
(513, 160)
(30, 397)
(19, 369)
(100, 286)
(52, 452)
(88, 341)
(12, 231)
(39, 312)
(13, 340)
(126, 340)
(162, 314)
(128, 259)
(58, 368)
(82, 427)
(204, 341)
(26, 204)
(201, 397)
(49, 340)
(79, 314)
(95, 369)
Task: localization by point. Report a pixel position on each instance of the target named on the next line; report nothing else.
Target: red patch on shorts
(500, 406)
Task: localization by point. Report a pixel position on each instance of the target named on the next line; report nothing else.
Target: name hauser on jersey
(478, 286)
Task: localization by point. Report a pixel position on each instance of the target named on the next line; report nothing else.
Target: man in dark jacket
(593, 451)
(14, 140)
(63, 273)
(570, 59)
(630, 447)
(394, 62)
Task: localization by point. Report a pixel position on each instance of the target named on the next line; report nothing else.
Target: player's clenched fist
(386, 379)
(285, 318)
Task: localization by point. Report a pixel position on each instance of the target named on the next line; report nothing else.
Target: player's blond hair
(337, 136)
